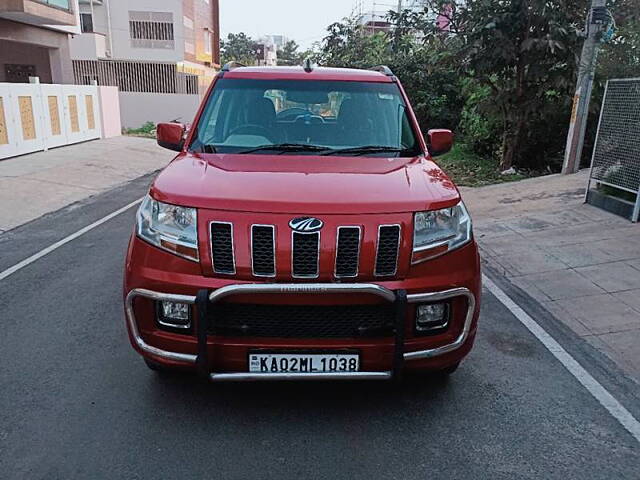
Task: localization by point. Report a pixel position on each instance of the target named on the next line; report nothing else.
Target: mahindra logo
(306, 224)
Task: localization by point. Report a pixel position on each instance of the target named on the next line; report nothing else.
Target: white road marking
(28, 261)
(608, 401)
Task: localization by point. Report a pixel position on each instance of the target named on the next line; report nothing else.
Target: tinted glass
(243, 114)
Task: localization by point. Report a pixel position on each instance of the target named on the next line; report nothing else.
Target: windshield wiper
(365, 149)
(287, 147)
(209, 149)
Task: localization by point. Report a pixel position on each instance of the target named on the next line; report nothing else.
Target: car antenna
(308, 65)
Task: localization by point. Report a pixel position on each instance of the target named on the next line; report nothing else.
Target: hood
(305, 184)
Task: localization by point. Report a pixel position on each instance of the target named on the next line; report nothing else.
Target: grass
(470, 170)
(148, 130)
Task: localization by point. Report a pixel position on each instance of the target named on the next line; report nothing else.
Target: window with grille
(151, 30)
(86, 22)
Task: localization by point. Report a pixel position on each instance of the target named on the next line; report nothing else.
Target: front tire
(446, 372)
(156, 367)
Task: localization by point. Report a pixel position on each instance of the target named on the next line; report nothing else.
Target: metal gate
(36, 116)
(615, 166)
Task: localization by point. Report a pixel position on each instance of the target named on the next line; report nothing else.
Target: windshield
(316, 117)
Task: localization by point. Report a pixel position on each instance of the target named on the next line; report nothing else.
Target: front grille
(259, 258)
(387, 254)
(305, 254)
(222, 248)
(263, 250)
(347, 252)
(301, 321)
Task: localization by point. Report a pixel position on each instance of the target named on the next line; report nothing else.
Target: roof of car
(317, 73)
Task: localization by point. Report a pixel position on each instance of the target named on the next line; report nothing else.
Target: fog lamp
(175, 315)
(433, 316)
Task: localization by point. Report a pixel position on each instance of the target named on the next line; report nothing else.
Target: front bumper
(205, 298)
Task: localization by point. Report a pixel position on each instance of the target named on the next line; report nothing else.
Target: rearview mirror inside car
(440, 141)
(171, 135)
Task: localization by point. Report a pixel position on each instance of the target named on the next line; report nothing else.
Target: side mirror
(440, 141)
(171, 135)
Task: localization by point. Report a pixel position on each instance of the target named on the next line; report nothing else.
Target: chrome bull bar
(206, 298)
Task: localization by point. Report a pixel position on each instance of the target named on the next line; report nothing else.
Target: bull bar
(204, 298)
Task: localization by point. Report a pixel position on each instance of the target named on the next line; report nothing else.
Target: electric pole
(597, 18)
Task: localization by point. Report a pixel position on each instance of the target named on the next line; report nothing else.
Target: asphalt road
(76, 402)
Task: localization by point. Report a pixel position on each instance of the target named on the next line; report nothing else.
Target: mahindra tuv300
(303, 232)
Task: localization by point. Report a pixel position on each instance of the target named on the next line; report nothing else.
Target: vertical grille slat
(263, 250)
(305, 254)
(222, 251)
(387, 253)
(347, 252)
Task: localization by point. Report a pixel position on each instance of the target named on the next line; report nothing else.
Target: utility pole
(399, 7)
(597, 18)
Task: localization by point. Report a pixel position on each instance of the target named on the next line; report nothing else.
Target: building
(131, 43)
(268, 47)
(375, 21)
(34, 40)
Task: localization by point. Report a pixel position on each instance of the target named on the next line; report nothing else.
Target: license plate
(303, 363)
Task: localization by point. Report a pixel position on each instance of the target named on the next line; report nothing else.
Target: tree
(289, 54)
(524, 51)
(501, 72)
(350, 45)
(238, 47)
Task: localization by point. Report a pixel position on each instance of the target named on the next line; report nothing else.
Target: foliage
(524, 51)
(349, 45)
(469, 169)
(148, 129)
(240, 48)
(289, 54)
(499, 67)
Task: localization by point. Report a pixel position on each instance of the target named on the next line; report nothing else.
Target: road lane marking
(608, 401)
(28, 261)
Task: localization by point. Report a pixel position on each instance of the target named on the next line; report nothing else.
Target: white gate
(40, 116)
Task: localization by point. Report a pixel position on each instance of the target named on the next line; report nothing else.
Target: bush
(148, 129)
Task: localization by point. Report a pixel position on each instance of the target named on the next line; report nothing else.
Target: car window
(242, 114)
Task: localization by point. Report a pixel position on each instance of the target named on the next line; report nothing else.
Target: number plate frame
(314, 357)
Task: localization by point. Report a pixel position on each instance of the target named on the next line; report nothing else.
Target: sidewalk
(582, 264)
(35, 184)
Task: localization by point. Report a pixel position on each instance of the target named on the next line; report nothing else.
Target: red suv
(303, 232)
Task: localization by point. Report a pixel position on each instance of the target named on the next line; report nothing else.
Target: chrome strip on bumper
(308, 288)
(466, 328)
(253, 288)
(250, 377)
(133, 326)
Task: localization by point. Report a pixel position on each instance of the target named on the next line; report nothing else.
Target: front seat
(262, 113)
(353, 127)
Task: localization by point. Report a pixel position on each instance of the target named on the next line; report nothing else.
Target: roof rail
(383, 69)
(231, 65)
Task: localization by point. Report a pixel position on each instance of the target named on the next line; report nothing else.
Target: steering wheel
(251, 128)
(309, 119)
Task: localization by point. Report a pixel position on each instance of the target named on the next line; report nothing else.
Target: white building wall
(138, 108)
(119, 45)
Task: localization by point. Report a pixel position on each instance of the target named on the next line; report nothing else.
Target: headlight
(440, 231)
(169, 227)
